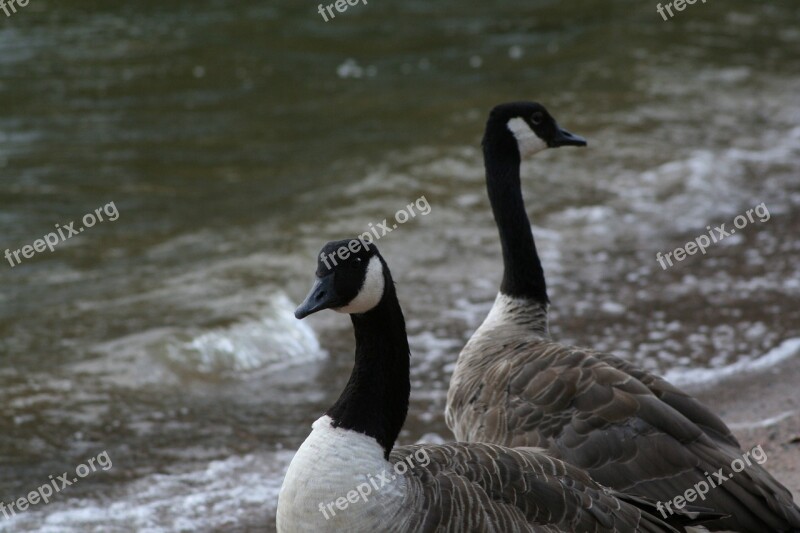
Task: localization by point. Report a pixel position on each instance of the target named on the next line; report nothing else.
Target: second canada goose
(629, 429)
(345, 476)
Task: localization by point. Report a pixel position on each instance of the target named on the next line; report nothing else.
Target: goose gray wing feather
(630, 430)
(710, 423)
(489, 488)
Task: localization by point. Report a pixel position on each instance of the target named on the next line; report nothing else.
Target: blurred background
(235, 138)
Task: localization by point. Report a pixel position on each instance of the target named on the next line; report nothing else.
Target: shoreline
(762, 407)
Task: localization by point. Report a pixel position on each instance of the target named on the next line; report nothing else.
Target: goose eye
(537, 118)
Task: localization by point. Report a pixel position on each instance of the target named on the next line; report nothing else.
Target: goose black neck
(523, 276)
(375, 400)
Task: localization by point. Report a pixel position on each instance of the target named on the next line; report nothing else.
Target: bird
(348, 475)
(630, 429)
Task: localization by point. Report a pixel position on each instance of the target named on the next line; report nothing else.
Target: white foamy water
(233, 494)
(788, 349)
(276, 338)
(272, 339)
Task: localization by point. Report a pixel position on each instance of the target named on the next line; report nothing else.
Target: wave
(692, 376)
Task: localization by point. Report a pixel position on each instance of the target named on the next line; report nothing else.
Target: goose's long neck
(375, 400)
(523, 276)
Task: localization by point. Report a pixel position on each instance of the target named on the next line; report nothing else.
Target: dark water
(235, 138)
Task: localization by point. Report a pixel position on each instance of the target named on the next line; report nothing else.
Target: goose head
(530, 125)
(349, 279)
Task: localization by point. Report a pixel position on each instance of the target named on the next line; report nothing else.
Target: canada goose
(332, 481)
(629, 429)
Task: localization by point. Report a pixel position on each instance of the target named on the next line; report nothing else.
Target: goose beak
(565, 138)
(322, 296)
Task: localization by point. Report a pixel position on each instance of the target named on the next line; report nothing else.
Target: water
(236, 138)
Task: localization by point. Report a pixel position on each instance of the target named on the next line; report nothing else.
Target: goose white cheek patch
(529, 143)
(371, 290)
